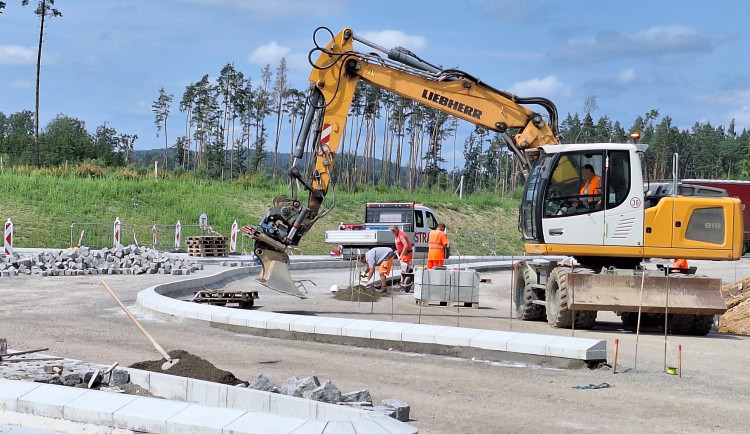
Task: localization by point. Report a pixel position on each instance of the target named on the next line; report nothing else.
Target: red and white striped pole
(233, 237)
(8, 238)
(177, 235)
(153, 237)
(117, 228)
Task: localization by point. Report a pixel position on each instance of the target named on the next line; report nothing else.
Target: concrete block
(239, 317)
(248, 399)
(577, 348)
(140, 377)
(492, 340)
(207, 393)
(423, 333)
(340, 412)
(259, 319)
(332, 326)
(389, 331)
(262, 423)
(48, 400)
(456, 336)
(530, 343)
(280, 321)
(360, 328)
(292, 406)
(96, 407)
(305, 324)
(392, 425)
(11, 390)
(147, 414)
(202, 418)
(311, 427)
(207, 312)
(168, 386)
(360, 427)
(190, 310)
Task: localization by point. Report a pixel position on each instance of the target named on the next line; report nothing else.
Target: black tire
(556, 294)
(630, 320)
(247, 304)
(524, 295)
(691, 325)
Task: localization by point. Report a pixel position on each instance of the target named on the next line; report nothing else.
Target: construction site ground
(76, 318)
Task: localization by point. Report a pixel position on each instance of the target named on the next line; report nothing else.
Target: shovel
(170, 361)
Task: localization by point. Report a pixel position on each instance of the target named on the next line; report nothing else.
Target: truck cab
(416, 220)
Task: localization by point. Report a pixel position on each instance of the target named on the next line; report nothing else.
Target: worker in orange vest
(403, 250)
(592, 186)
(680, 263)
(438, 242)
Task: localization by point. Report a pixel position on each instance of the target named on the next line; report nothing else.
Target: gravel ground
(75, 317)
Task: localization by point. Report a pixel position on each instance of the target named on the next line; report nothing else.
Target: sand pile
(737, 317)
(190, 366)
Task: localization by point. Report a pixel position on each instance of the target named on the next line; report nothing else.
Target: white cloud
(17, 55)
(664, 42)
(549, 87)
(741, 117)
(626, 77)
(270, 53)
(395, 38)
(739, 97)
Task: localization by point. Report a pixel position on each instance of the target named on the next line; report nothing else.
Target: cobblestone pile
(311, 388)
(83, 261)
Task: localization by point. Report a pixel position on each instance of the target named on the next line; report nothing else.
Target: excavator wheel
(524, 295)
(558, 314)
(630, 320)
(691, 325)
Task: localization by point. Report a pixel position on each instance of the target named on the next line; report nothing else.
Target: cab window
(431, 220)
(418, 219)
(576, 185)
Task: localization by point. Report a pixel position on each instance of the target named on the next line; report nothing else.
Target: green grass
(44, 205)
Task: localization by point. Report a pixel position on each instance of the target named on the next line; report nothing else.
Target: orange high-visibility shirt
(437, 242)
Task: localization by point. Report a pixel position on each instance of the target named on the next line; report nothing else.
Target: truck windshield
(402, 217)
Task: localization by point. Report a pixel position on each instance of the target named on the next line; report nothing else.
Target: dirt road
(75, 317)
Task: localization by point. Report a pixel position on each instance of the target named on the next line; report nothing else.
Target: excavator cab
(561, 207)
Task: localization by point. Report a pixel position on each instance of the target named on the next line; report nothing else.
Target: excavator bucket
(275, 274)
(659, 294)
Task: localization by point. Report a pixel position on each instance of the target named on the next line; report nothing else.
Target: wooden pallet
(204, 251)
(423, 303)
(207, 245)
(245, 299)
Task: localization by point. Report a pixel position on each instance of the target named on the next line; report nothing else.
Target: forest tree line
(231, 126)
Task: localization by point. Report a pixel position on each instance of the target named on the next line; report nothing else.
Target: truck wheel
(523, 296)
(689, 324)
(558, 314)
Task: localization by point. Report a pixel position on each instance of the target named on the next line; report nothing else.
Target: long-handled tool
(170, 361)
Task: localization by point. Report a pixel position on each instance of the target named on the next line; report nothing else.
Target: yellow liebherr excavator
(604, 232)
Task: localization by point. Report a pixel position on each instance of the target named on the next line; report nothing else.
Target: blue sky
(105, 60)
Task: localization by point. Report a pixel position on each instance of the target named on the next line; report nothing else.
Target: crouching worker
(382, 257)
(403, 251)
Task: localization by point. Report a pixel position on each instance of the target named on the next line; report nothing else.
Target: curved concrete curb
(558, 351)
(202, 407)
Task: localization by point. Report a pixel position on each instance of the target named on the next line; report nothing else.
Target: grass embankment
(44, 206)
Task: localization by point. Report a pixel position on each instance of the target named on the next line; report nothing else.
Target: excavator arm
(334, 78)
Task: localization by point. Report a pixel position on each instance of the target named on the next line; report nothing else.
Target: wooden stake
(614, 360)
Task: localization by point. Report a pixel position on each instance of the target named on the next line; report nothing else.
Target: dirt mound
(190, 366)
(737, 317)
(357, 293)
